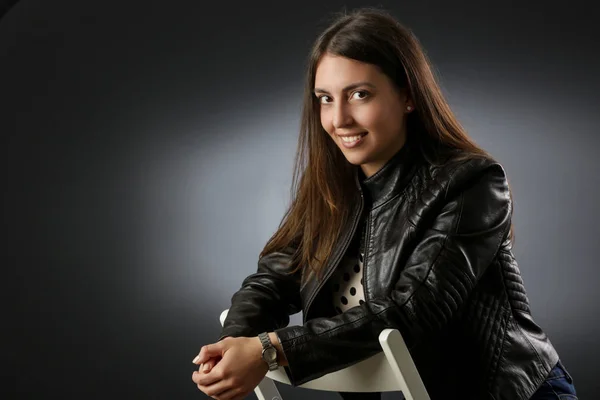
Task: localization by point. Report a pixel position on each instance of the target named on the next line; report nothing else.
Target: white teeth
(350, 139)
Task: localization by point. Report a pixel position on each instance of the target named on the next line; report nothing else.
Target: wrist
(259, 350)
(281, 359)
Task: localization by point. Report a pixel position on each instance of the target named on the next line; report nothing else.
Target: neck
(370, 169)
(392, 177)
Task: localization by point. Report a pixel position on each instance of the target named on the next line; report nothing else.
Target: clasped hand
(230, 369)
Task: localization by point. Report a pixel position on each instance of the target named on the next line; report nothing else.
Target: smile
(353, 141)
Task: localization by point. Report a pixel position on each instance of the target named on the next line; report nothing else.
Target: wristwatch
(269, 353)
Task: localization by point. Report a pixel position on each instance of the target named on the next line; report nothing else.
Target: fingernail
(196, 359)
(206, 367)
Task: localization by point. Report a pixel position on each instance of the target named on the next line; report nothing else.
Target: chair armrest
(223, 316)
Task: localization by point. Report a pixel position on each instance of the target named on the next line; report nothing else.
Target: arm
(266, 299)
(438, 277)
(233, 366)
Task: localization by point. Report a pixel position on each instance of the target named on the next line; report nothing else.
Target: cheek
(371, 118)
(326, 122)
(386, 121)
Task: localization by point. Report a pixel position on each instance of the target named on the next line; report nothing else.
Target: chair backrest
(391, 370)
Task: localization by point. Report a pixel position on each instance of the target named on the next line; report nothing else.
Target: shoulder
(461, 171)
(475, 184)
(472, 188)
(476, 168)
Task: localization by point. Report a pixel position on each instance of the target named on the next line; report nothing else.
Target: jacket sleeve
(266, 298)
(443, 269)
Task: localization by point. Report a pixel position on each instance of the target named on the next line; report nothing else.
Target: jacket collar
(392, 178)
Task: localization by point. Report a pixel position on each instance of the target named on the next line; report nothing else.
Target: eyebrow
(347, 88)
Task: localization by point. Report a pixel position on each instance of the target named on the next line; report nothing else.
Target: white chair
(391, 370)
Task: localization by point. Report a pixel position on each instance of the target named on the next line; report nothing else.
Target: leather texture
(438, 266)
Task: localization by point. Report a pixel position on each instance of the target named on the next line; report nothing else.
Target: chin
(355, 159)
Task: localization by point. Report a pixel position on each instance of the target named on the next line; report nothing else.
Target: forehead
(335, 72)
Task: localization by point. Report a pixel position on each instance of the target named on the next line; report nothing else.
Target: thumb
(207, 366)
(209, 351)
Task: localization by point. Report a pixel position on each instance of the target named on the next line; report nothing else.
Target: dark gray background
(147, 150)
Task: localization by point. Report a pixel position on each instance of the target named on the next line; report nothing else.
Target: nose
(342, 116)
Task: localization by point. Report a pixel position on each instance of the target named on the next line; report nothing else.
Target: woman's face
(361, 110)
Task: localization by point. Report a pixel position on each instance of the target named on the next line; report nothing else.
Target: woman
(398, 221)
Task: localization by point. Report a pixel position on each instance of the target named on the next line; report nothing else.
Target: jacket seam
(324, 333)
(528, 341)
(422, 283)
(515, 310)
(460, 212)
(501, 352)
(394, 197)
(518, 329)
(442, 247)
(402, 192)
(292, 340)
(451, 176)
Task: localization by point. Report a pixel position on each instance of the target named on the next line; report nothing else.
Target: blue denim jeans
(557, 386)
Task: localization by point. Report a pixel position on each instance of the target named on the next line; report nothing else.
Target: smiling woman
(362, 111)
(399, 220)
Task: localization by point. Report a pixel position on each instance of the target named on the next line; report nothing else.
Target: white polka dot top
(347, 281)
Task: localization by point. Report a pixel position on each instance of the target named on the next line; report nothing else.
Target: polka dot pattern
(347, 284)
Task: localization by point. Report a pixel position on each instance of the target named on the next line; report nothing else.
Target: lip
(350, 145)
(350, 134)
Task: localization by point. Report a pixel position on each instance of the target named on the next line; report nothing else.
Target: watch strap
(266, 344)
(264, 340)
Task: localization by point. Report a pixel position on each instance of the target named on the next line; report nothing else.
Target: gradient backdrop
(147, 150)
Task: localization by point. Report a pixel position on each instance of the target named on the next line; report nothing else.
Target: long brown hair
(323, 179)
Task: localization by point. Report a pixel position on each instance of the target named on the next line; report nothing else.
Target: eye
(360, 94)
(323, 99)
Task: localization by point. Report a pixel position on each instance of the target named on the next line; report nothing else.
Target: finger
(209, 351)
(216, 389)
(209, 378)
(207, 366)
(195, 377)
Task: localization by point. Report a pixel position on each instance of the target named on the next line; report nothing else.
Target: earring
(408, 108)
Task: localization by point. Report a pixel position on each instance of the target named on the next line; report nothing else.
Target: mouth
(352, 141)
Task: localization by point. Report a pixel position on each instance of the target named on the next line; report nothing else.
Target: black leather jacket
(438, 266)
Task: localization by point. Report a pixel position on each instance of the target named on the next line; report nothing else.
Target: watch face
(270, 354)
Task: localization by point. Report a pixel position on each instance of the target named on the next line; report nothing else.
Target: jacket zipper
(337, 259)
(364, 250)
